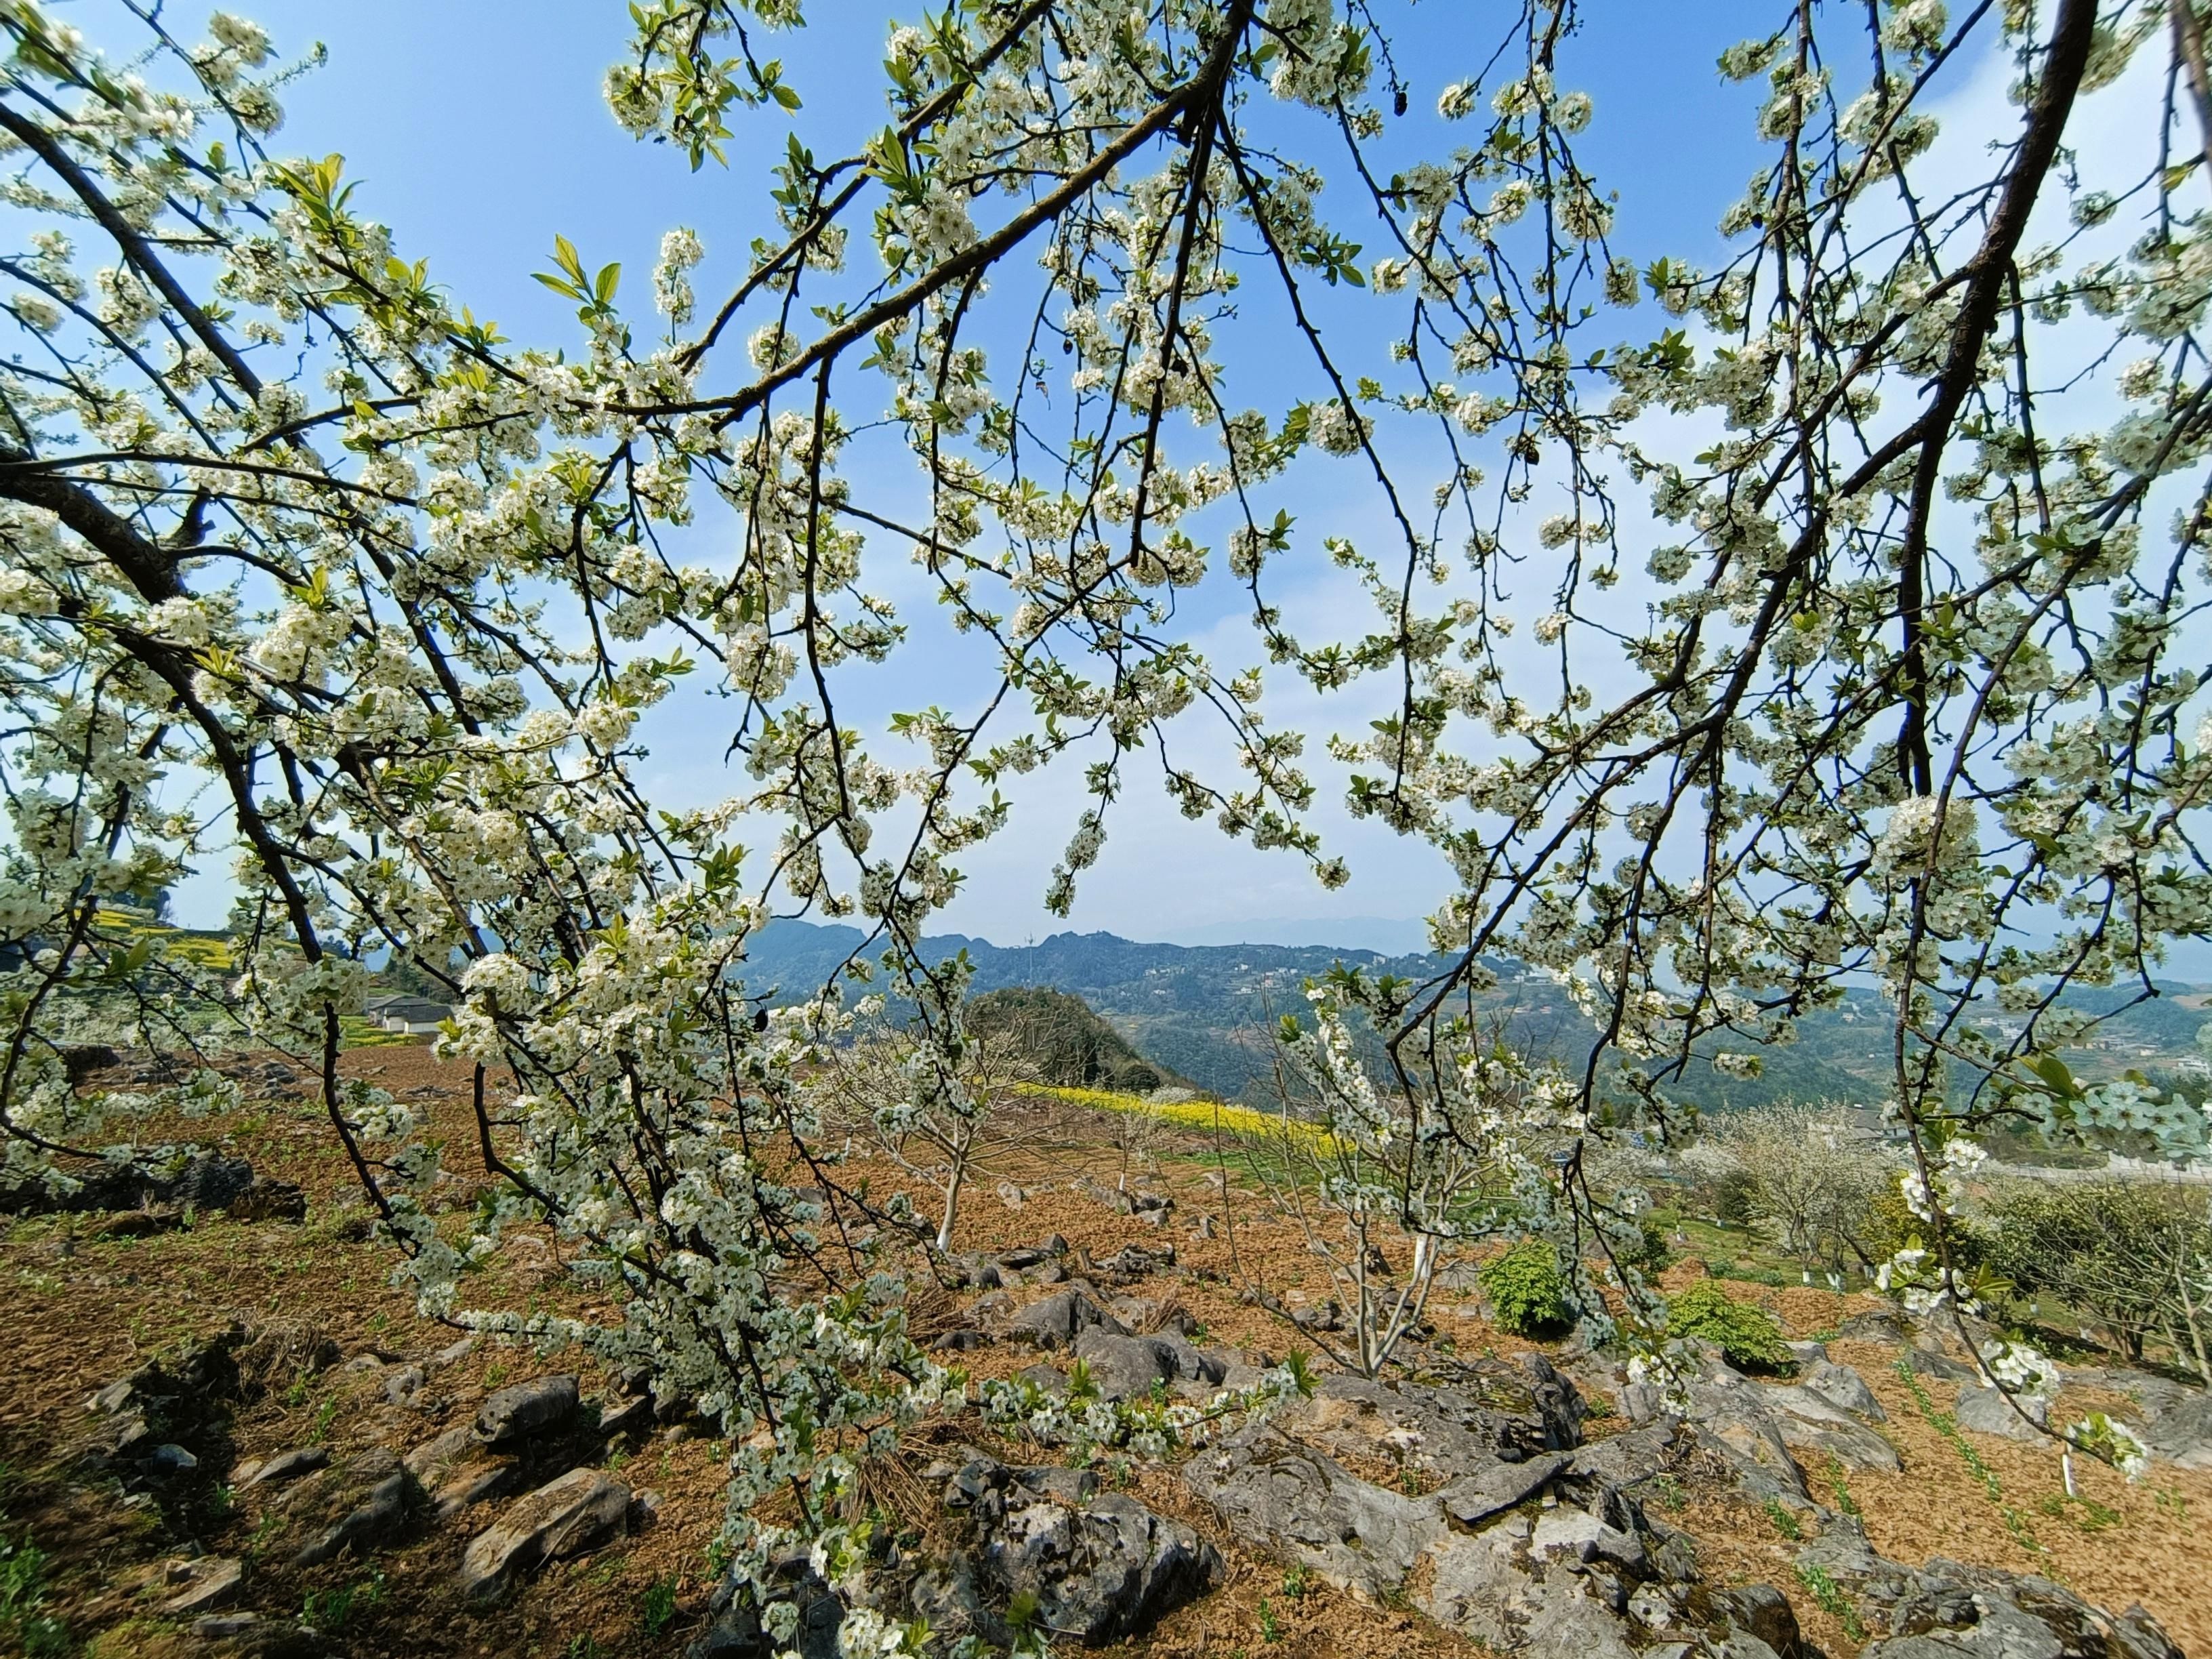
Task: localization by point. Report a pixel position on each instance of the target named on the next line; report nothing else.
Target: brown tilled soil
(83, 1309)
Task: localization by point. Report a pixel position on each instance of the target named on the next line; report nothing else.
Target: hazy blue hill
(1391, 936)
(797, 957)
(1202, 1010)
(1206, 1011)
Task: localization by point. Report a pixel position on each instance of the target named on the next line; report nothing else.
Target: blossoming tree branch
(1743, 630)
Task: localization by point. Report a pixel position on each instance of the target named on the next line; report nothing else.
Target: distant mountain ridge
(1387, 936)
(1204, 1010)
(1208, 1011)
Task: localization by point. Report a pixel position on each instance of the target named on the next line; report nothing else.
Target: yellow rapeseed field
(1198, 1115)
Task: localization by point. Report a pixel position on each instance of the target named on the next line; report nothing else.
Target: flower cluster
(1147, 1426)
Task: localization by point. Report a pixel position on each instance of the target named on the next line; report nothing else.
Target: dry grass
(83, 1311)
(283, 1351)
(2130, 1543)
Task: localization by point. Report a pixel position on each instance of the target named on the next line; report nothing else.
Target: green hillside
(1066, 1041)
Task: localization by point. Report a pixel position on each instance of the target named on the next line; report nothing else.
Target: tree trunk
(2191, 1322)
(951, 1206)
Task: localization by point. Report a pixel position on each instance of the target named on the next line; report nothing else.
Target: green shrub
(1891, 1226)
(330, 1609)
(1750, 1338)
(1527, 1295)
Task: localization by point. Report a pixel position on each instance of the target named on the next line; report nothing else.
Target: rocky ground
(220, 1433)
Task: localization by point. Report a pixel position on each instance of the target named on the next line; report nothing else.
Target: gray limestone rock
(1565, 1531)
(2173, 1419)
(1842, 1388)
(1771, 1429)
(203, 1585)
(1880, 1325)
(1592, 1575)
(737, 1631)
(1124, 1367)
(1457, 1421)
(1057, 1319)
(1986, 1411)
(1097, 1566)
(1352, 1533)
(1197, 1365)
(547, 1405)
(356, 1507)
(1107, 1570)
(1600, 1581)
(1734, 1420)
(1812, 1425)
(568, 1517)
(1495, 1588)
(1474, 1499)
(1637, 1456)
(288, 1466)
(1930, 1362)
(1947, 1611)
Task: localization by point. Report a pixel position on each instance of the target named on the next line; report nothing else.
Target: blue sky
(478, 132)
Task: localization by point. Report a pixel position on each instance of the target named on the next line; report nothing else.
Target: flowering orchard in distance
(1865, 567)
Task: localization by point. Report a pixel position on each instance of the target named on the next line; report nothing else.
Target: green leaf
(887, 156)
(2053, 1070)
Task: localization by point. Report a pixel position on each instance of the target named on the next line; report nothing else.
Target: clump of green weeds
(1845, 1503)
(329, 1610)
(1822, 1586)
(37, 1634)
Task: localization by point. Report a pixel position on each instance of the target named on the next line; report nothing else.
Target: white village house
(397, 1012)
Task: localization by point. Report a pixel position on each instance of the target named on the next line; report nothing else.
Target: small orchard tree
(1419, 1170)
(1811, 1172)
(2131, 1256)
(1836, 623)
(927, 1094)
